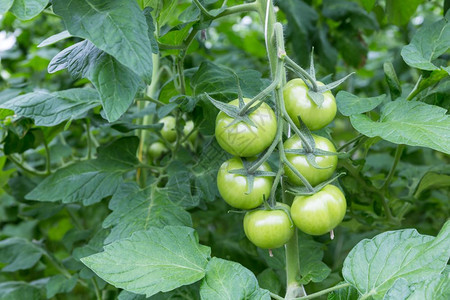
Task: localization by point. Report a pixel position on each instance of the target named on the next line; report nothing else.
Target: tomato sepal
(303, 191)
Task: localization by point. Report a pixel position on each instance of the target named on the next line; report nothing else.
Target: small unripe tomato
(188, 127)
(157, 149)
(268, 229)
(242, 139)
(298, 103)
(233, 187)
(319, 213)
(168, 131)
(312, 174)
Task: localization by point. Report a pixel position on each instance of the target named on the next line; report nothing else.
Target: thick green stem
(25, 168)
(151, 91)
(267, 15)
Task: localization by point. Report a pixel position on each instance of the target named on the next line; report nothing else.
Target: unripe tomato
(233, 187)
(188, 127)
(157, 149)
(245, 140)
(298, 103)
(268, 229)
(168, 131)
(312, 174)
(319, 213)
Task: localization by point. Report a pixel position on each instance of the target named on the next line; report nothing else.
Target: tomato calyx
(315, 92)
(251, 175)
(235, 112)
(303, 191)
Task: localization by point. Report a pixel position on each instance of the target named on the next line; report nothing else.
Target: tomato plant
(268, 229)
(319, 213)
(299, 103)
(235, 190)
(124, 125)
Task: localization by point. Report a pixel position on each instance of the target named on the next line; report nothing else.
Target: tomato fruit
(188, 127)
(245, 140)
(319, 213)
(268, 229)
(157, 149)
(168, 131)
(233, 187)
(298, 103)
(312, 174)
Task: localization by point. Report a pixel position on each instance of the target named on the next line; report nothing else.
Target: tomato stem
(302, 71)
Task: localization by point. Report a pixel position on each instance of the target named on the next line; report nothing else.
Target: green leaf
(217, 80)
(119, 28)
(373, 266)
(428, 43)
(18, 290)
(392, 80)
(5, 5)
(116, 84)
(60, 284)
(136, 210)
(178, 187)
(400, 12)
(409, 122)
(347, 293)
(436, 288)
(228, 281)
(28, 9)
(301, 26)
(349, 104)
(152, 261)
(55, 38)
(50, 109)
(89, 181)
(368, 4)
(269, 280)
(349, 12)
(432, 180)
(19, 254)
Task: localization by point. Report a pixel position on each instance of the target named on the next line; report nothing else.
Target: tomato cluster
(169, 134)
(314, 214)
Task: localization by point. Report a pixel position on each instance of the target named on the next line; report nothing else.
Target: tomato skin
(319, 213)
(168, 131)
(268, 229)
(244, 140)
(313, 175)
(233, 187)
(157, 149)
(188, 127)
(298, 103)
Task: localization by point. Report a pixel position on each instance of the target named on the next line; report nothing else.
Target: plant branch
(25, 168)
(398, 154)
(323, 292)
(275, 296)
(203, 9)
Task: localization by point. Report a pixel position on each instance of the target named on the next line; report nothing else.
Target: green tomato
(298, 103)
(245, 140)
(319, 213)
(157, 149)
(313, 175)
(168, 131)
(233, 187)
(188, 127)
(268, 229)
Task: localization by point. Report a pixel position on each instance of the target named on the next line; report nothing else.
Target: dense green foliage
(111, 146)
